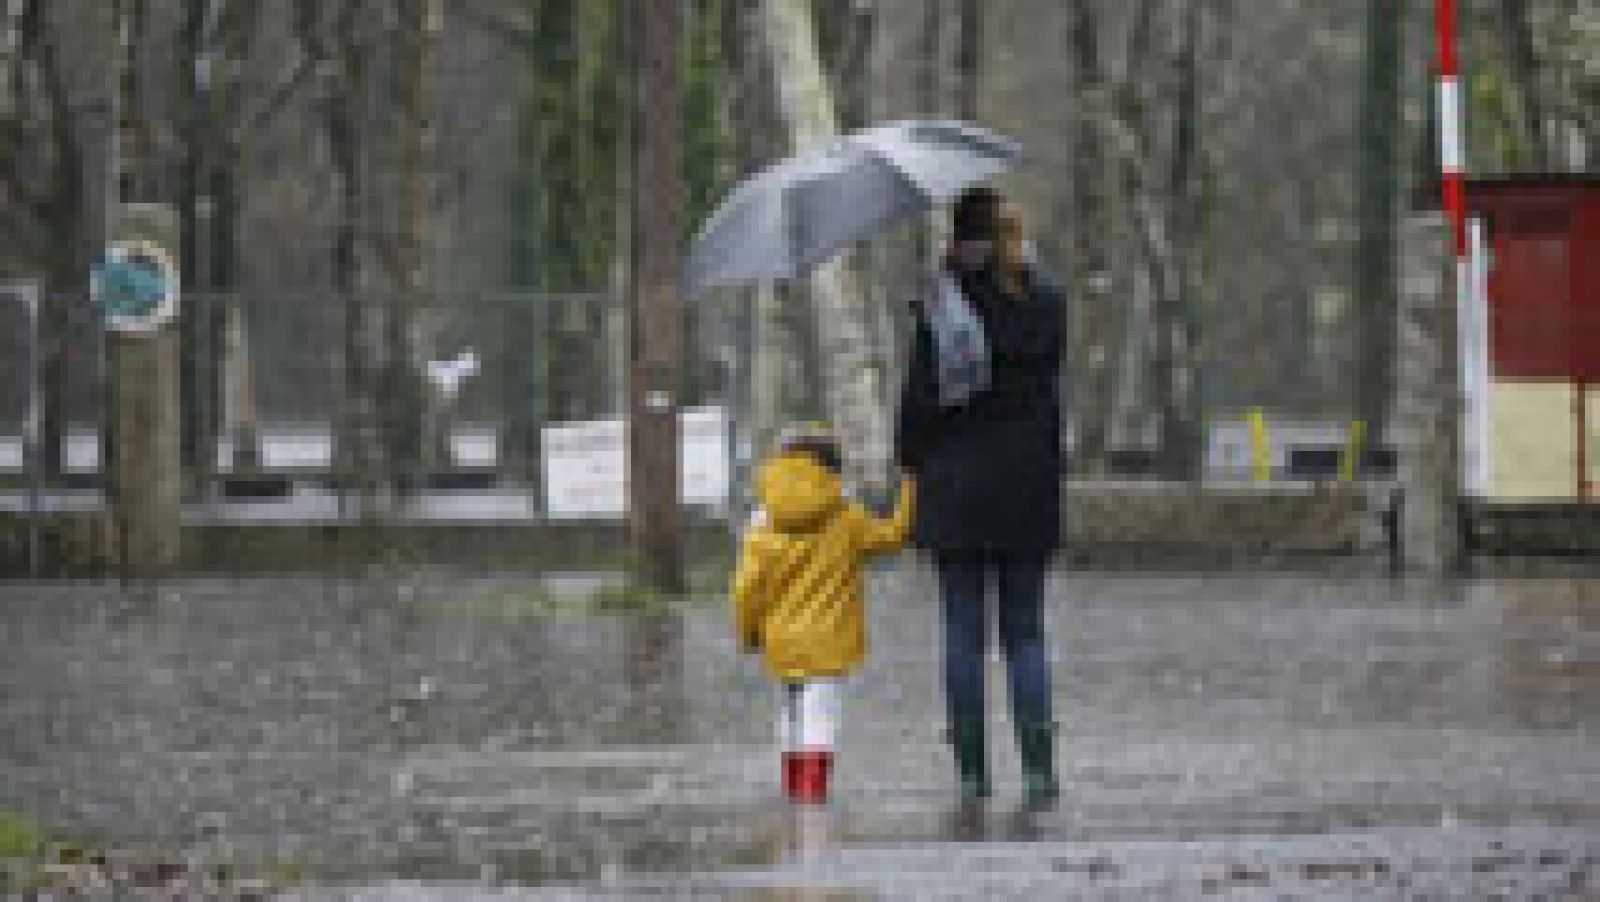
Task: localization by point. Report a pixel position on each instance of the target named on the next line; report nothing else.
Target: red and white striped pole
(1472, 314)
(1450, 135)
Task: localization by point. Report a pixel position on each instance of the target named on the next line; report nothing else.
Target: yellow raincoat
(797, 592)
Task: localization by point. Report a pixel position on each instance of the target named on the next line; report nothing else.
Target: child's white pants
(808, 714)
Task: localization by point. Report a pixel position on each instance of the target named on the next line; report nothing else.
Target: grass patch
(627, 597)
(34, 864)
(706, 584)
(20, 837)
(22, 845)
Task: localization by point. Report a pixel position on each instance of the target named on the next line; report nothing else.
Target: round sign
(136, 287)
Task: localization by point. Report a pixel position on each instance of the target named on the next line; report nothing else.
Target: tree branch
(1517, 34)
(22, 232)
(307, 68)
(34, 203)
(512, 29)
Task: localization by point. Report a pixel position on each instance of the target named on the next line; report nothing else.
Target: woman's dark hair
(976, 215)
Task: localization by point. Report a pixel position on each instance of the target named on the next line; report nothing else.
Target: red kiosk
(1542, 236)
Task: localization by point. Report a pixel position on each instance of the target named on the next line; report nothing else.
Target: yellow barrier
(1260, 450)
(1350, 455)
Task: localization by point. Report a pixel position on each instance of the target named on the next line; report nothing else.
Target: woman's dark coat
(989, 472)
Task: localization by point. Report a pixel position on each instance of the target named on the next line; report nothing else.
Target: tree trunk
(895, 261)
(755, 338)
(1375, 251)
(206, 230)
(772, 353)
(360, 453)
(1174, 322)
(969, 57)
(64, 305)
(191, 320)
(11, 14)
(404, 397)
(1091, 258)
(1143, 242)
(656, 370)
(65, 315)
(854, 393)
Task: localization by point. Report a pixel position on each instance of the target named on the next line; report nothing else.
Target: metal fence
(273, 383)
(462, 390)
(455, 390)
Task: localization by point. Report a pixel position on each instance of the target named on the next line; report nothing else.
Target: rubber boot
(970, 745)
(811, 777)
(1036, 746)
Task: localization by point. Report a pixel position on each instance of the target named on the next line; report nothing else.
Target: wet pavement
(438, 737)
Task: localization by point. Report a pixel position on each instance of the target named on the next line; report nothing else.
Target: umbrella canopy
(786, 220)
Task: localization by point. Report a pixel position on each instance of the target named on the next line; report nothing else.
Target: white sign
(13, 454)
(586, 464)
(301, 449)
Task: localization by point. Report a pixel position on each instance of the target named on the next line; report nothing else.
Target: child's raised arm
(883, 535)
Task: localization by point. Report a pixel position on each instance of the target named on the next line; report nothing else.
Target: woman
(979, 427)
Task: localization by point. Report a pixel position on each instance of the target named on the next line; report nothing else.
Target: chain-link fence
(284, 393)
(459, 388)
(431, 391)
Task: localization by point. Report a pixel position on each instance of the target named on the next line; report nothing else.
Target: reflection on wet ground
(426, 736)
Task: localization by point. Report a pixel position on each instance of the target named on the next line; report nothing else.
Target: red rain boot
(812, 776)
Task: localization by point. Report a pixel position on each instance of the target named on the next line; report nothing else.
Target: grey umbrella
(786, 220)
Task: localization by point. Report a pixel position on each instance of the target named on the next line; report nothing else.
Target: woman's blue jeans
(1018, 579)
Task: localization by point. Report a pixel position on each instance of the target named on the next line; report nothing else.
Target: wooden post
(147, 468)
(145, 463)
(656, 340)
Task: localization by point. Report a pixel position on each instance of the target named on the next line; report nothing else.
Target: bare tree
(1516, 31)
(808, 111)
(969, 56)
(1378, 212)
(332, 35)
(52, 135)
(1175, 377)
(757, 343)
(402, 389)
(1090, 264)
(656, 329)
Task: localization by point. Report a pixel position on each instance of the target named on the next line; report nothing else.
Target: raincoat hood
(798, 493)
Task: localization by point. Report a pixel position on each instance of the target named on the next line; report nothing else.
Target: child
(797, 594)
